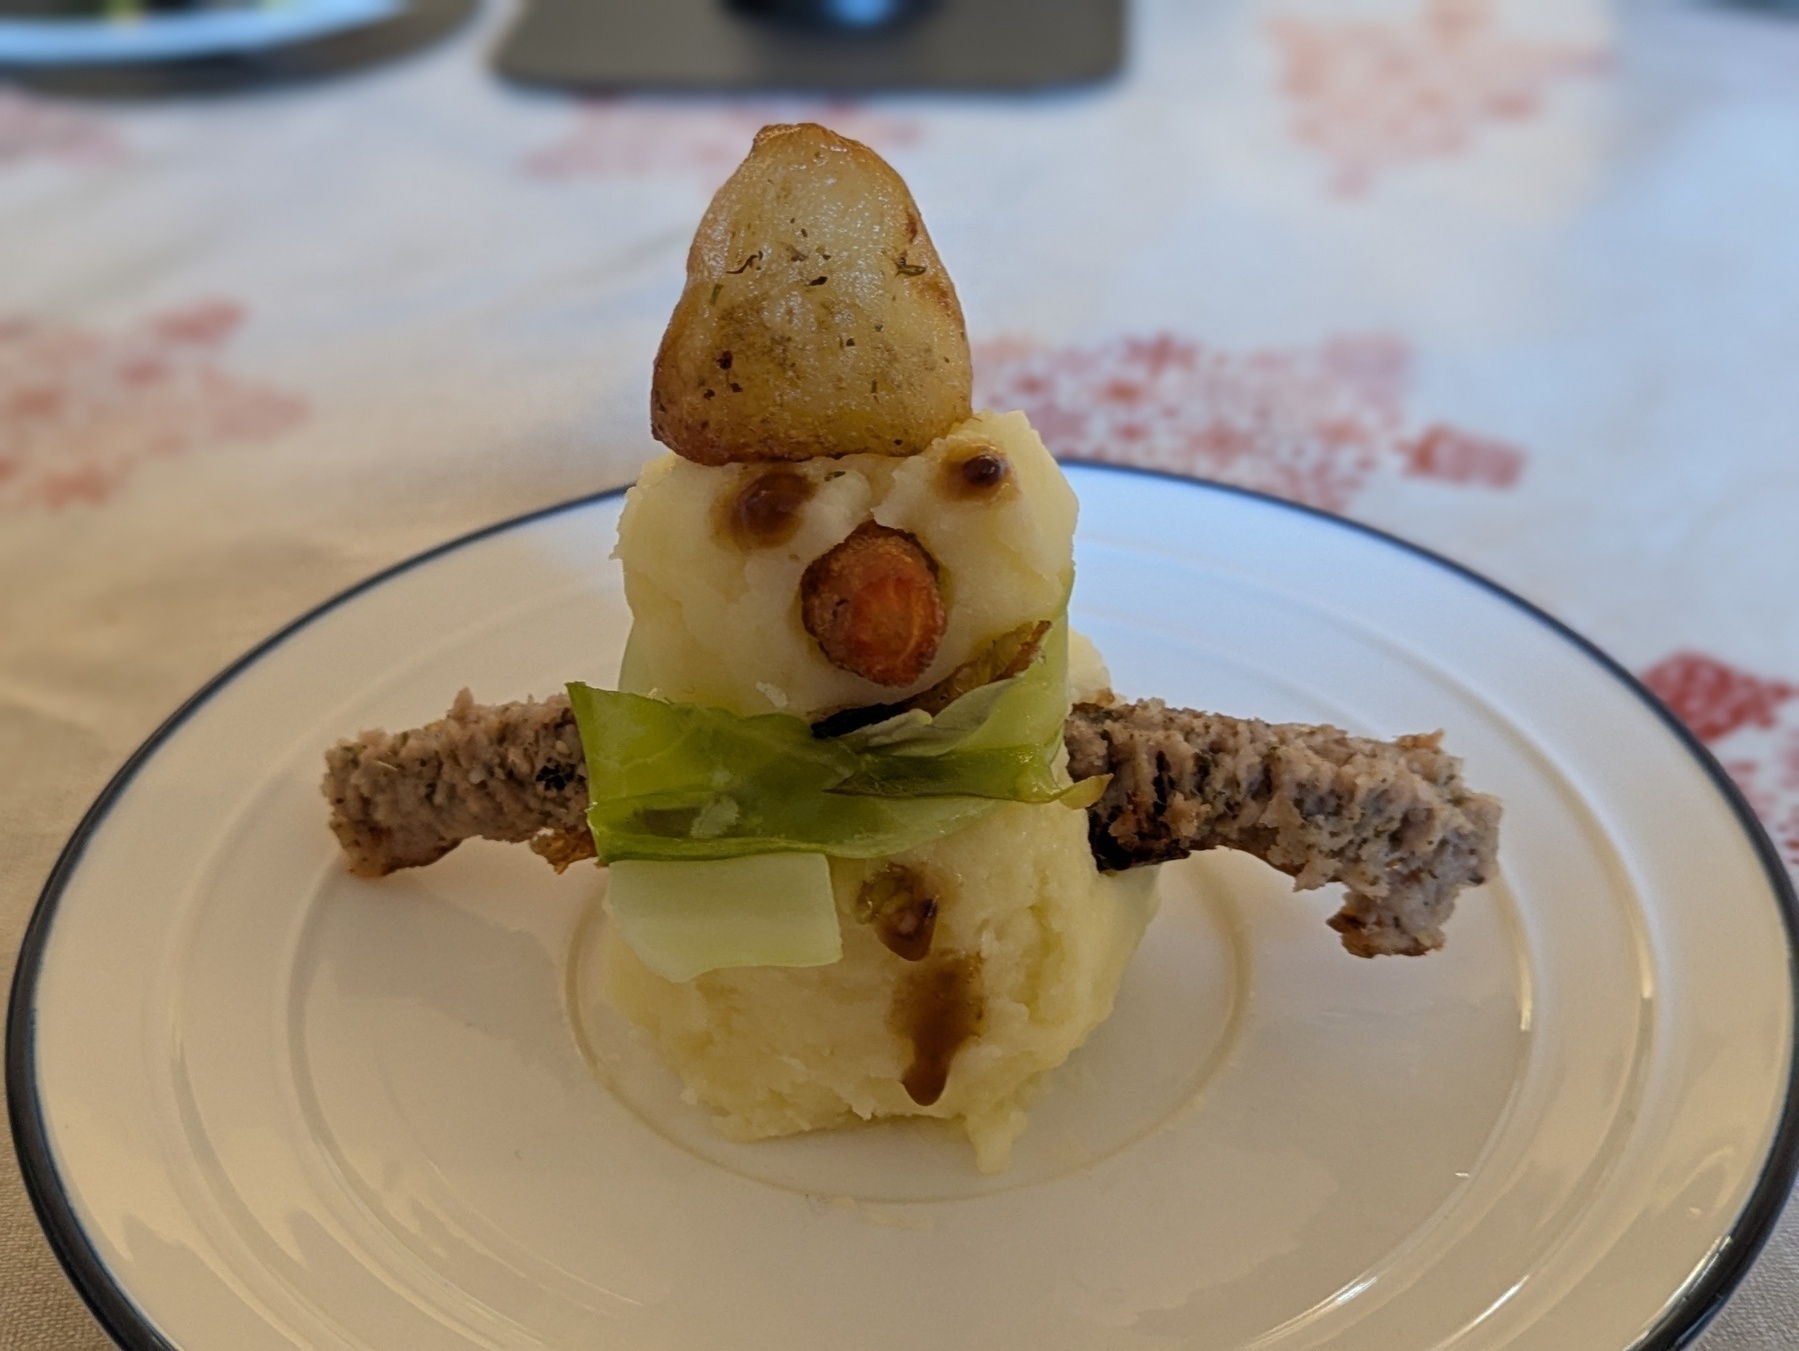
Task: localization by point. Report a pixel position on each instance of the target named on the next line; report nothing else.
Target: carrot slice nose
(874, 605)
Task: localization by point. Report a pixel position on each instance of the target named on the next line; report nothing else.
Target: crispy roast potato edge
(817, 318)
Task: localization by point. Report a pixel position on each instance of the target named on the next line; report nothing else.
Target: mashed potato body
(779, 1050)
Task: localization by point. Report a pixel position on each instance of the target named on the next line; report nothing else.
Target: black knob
(851, 15)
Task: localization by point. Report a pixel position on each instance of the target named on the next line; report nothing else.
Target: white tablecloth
(1515, 279)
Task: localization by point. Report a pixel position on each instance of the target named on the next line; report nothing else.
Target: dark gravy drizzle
(981, 475)
(766, 510)
(902, 908)
(937, 1008)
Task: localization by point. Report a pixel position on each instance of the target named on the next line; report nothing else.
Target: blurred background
(1515, 279)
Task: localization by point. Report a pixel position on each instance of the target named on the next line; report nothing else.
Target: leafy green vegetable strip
(684, 781)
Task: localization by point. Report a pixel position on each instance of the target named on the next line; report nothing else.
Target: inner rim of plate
(125, 1322)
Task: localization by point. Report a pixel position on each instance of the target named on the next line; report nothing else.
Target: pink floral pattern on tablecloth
(641, 137)
(81, 411)
(31, 128)
(1370, 95)
(1751, 723)
(1315, 425)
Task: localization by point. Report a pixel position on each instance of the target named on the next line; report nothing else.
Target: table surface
(1514, 279)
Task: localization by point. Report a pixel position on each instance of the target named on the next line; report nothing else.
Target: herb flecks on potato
(817, 318)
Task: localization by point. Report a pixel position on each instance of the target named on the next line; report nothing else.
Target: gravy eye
(983, 473)
(766, 510)
(874, 605)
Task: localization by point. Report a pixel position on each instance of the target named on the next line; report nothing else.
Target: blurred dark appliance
(832, 46)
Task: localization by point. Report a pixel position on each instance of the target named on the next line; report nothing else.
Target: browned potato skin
(817, 318)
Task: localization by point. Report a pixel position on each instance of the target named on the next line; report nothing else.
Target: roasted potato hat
(817, 318)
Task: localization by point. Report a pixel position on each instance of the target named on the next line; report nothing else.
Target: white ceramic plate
(262, 1104)
(109, 40)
